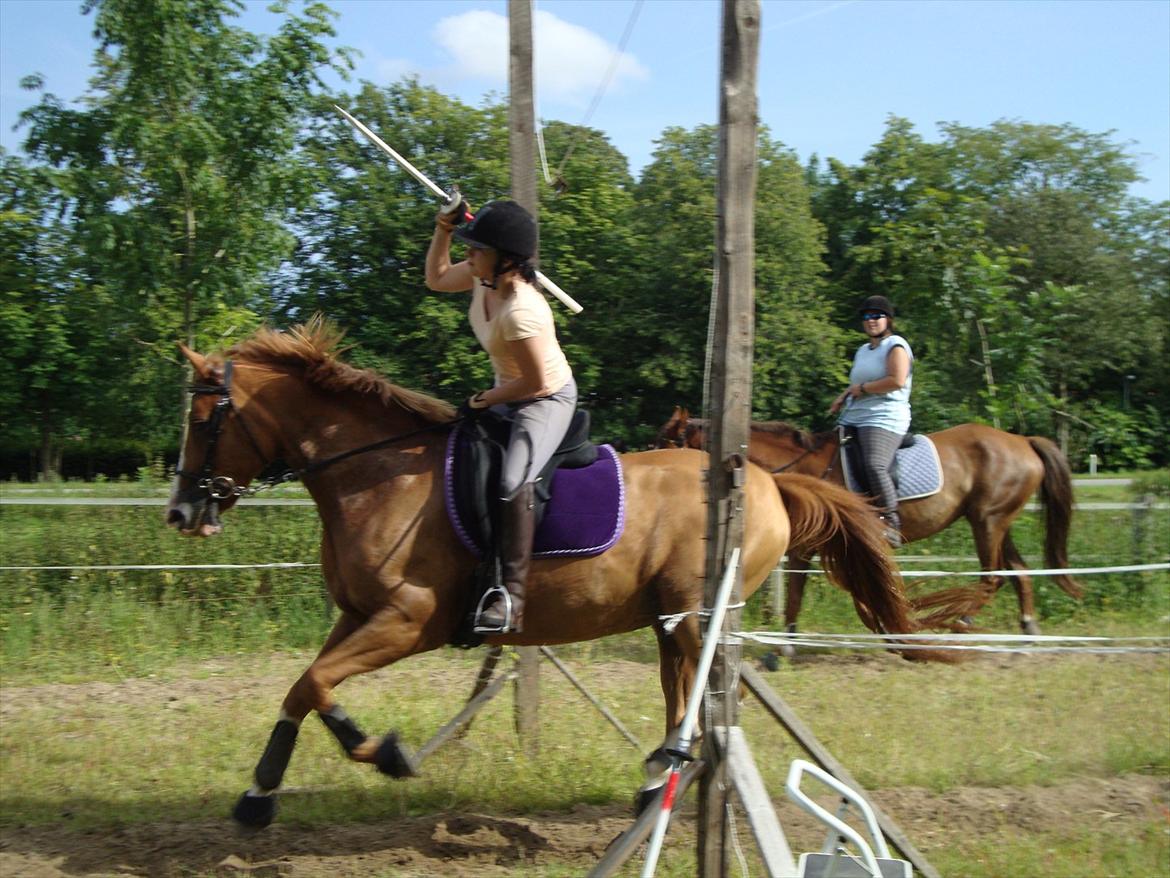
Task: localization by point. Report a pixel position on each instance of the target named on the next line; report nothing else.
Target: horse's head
(679, 432)
(220, 456)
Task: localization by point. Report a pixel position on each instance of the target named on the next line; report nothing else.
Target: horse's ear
(683, 414)
(197, 359)
(202, 365)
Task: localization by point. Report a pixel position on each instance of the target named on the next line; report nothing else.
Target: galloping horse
(372, 456)
(988, 477)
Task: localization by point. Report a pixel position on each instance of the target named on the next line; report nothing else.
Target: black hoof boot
(771, 661)
(255, 812)
(392, 758)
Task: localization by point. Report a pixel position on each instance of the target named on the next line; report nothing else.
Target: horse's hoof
(787, 650)
(254, 812)
(392, 758)
(1029, 627)
(771, 661)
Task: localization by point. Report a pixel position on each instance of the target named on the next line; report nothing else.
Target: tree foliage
(206, 185)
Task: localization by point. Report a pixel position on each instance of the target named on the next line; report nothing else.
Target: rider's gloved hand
(474, 406)
(453, 213)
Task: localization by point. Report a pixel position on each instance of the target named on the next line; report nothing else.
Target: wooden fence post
(522, 143)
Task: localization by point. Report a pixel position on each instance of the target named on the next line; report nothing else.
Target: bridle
(219, 487)
(223, 487)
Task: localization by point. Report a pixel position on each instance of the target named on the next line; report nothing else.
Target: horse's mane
(313, 348)
(784, 431)
(803, 438)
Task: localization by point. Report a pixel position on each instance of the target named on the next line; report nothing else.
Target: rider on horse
(534, 385)
(876, 404)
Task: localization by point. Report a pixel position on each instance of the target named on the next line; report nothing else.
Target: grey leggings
(538, 427)
(878, 447)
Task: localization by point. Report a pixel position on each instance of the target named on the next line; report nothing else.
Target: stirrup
(892, 532)
(479, 627)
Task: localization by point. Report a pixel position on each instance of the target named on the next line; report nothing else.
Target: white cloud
(571, 61)
(393, 69)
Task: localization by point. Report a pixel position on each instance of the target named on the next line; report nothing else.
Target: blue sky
(831, 71)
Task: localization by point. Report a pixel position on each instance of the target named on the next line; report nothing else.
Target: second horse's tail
(847, 534)
(1057, 498)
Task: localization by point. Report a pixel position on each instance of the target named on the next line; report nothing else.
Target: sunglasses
(873, 315)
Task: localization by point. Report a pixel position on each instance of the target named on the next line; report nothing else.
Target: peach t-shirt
(524, 314)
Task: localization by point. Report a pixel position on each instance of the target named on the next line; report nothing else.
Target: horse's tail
(842, 528)
(1056, 497)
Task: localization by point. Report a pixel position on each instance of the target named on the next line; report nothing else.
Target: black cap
(877, 303)
(503, 226)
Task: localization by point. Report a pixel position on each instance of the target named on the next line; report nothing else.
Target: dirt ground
(476, 844)
(464, 845)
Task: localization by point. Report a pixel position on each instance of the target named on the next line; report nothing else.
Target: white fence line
(273, 564)
(973, 642)
(1054, 571)
(294, 501)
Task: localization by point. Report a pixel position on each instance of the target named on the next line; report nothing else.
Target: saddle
(579, 498)
(917, 471)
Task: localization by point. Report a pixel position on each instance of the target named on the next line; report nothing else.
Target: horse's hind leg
(1023, 584)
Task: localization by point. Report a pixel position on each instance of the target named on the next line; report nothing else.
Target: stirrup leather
(484, 602)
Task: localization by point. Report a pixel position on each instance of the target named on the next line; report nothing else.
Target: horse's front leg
(257, 806)
(678, 657)
(353, 647)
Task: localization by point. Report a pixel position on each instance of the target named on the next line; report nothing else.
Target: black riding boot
(893, 523)
(504, 613)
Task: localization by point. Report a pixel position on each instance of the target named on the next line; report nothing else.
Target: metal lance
(568, 301)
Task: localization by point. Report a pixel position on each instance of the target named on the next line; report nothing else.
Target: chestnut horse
(988, 477)
(372, 456)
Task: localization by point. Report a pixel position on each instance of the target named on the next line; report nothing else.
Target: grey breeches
(538, 427)
(878, 447)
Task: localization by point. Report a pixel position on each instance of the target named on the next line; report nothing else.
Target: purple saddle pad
(585, 514)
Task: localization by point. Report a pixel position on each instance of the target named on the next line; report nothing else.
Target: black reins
(680, 441)
(223, 487)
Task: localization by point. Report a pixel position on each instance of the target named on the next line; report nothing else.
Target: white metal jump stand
(834, 860)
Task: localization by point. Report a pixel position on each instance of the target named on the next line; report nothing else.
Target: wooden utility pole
(729, 397)
(522, 146)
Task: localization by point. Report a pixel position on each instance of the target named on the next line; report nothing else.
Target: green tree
(797, 347)
(182, 169)
(363, 240)
(1005, 249)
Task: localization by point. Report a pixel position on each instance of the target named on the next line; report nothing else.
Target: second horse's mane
(782, 430)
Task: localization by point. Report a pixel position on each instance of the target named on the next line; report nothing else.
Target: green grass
(110, 761)
(181, 747)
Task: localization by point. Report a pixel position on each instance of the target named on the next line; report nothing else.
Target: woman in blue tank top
(877, 404)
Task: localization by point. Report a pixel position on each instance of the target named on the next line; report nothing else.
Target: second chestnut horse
(988, 477)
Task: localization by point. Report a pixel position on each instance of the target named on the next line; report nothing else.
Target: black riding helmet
(504, 226)
(877, 303)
